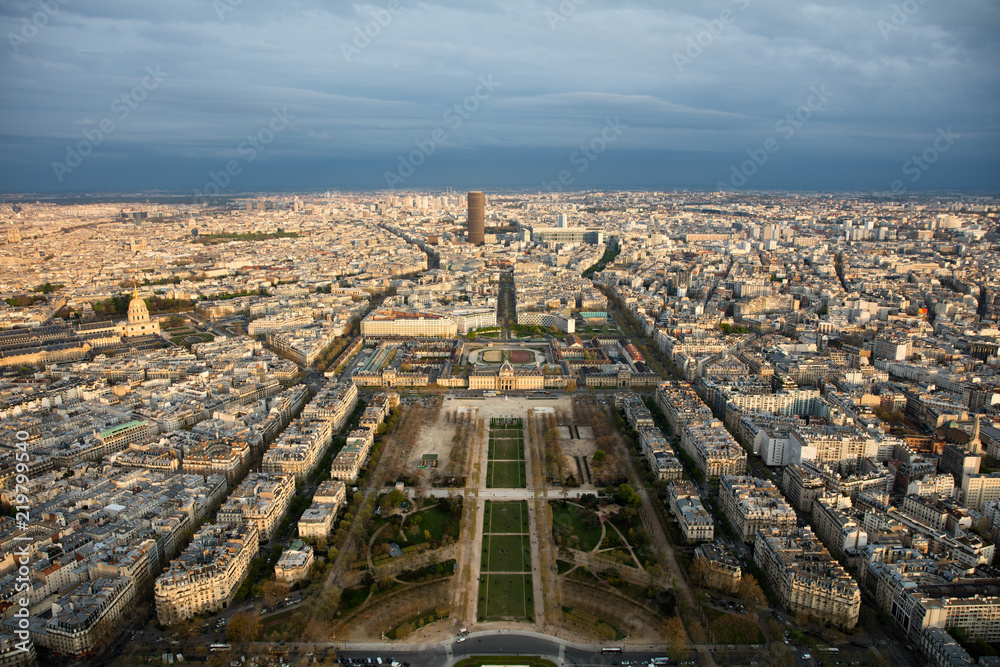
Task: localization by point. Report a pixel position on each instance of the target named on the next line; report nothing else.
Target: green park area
(506, 517)
(505, 475)
(575, 526)
(505, 465)
(505, 584)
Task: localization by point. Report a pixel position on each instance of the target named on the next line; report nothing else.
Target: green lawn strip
(506, 553)
(487, 516)
(506, 475)
(525, 661)
(507, 596)
(506, 450)
(506, 517)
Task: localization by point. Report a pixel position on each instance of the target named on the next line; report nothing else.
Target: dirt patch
(607, 605)
(370, 622)
(584, 446)
(492, 356)
(435, 438)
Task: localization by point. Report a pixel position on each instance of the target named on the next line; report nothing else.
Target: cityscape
(700, 427)
(516, 333)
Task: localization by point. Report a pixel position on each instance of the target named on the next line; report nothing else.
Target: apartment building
(207, 575)
(352, 456)
(86, 619)
(802, 487)
(938, 513)
(334, 403)
(806, 577)
(834, 444)
(660, 456)
(695, 521)
(753, 504)
(681, 405)
(470, 319)
(299, 449)
(563, 323)
(385, 322)
(118, 438)
(838, 530)
(331, 492)
(295, 563)
(979, 489)
(714, 451)
(261, 499)
(933, 485)
(721, 569)
(349, 461)
(316, 523)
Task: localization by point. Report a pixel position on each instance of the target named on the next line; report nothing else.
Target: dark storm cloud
(700, 83)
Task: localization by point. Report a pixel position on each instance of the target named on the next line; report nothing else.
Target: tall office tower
(477, 218)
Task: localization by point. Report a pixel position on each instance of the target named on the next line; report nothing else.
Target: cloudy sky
(117, 95)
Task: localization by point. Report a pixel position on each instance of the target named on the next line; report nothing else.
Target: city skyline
(427, 333)
(231, 423)
(227, 95)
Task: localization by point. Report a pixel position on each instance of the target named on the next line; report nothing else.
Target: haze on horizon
(108, 95)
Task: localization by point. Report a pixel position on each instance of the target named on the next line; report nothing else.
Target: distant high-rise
(477, 218)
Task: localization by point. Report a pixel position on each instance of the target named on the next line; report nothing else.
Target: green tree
(628, 496)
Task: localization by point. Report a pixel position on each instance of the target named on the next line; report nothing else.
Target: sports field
(505, 584)
(521, 356)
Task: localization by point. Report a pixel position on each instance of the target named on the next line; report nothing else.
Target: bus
(219, 647)
(831, 650)
(611, 650)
